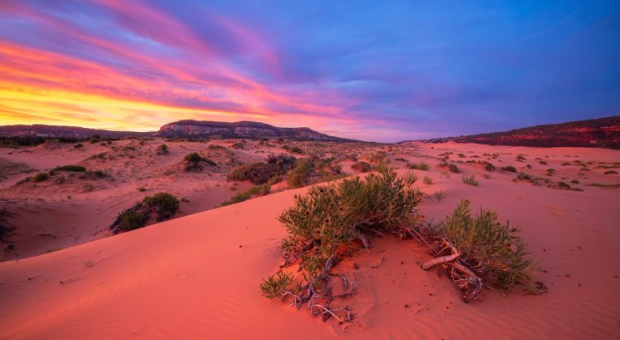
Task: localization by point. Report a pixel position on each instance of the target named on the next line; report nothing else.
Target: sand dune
(197, 276)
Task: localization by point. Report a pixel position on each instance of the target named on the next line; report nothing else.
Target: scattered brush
(298, 176)
(160, 207)
(40, 177)
(361, 166)
(479, 251)
(259, 172)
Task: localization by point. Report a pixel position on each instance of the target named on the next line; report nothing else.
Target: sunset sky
(381, 70)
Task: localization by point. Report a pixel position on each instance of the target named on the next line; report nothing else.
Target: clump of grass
(520, 158)
(409, 178)
(470, 180)
(293, 149)
(419, 166)
(489, 252)
(542, 163)
(361, 166)
(509, 168)
(161, 206)
(78, 146)
(439, 195)
(610, 172)
(259, 172)
(40, 177)
(550, 172)
(451, 167)
(276, 285)
(427, 180)
(70, 168)
(488, 166)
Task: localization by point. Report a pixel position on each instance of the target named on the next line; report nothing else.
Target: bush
(610, 172)
(259, 173)
(470, 180)
(491, 250)
(130, 220)
(509, 168)
(164, 205)
(453, 168)
(409, 178)
(275, 285)
(439, 195)
(193, 157)
(70, 168)
(78, 145)
(193, 162)
(488, 166)
(298, 177)
(161, 206)
(162, 149)
(427, 180)
(293, 149)
(418, 166)
(40, 177)
(361, 166)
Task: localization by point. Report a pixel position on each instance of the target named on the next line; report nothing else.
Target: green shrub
(453, 168)
(193, 162)
(298, 177)
(361, 166)
(193, 157)
(259, 173)
(161, 206)
(40, 177)
(293, 149)
(492, 250)
(334, 216)
(439, 195)
(488, 166)
(470, 180)
(164, 205)
(418, 166)
(427, 180)
(130, 220)
(78, 145)
(275, 285)
(509, 168)
(610, 172)
(70, 168)
(409, 178)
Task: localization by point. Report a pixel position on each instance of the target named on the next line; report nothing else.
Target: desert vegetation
(159, 207)
(261, 172)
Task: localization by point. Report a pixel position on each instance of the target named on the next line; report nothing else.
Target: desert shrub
(130, 220)
(427, 180)
(378, 157)
(610, 172)
(259, 172)
(550, 172)
(400, 159)
(329, 219)
(409, 178)
(162, 149)
(78, 145)
(490, 250)
(575, 181)
(563, 185)
(542, 163)
(361, 166)
(40, 177)
(164, 205)
(298, 177)
(488, 166)
(509, 168)
(470, 180)
(194, 161)
(161, 206)
(520, 158)
(237, 145)
(293, 149)
(70, 168)
(25, 180)
(419, 166)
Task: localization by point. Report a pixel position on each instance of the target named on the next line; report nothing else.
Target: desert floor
(196, 276)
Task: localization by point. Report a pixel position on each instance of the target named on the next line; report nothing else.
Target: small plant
(427, 180)
(259, 172)
(550, 172)
(509, 168)
(40, 177)
(478, 251)
(361, 166)
(409, 178)
(451, 167)
(298, 177)
(162, 149)
(610, 172)
(520, 158)
(470, 180)
(488, 166)
(89, 263)
(193, 162)
(141, 189)
(78, 146)
(542, 163)
(70, 168)
(259, 190)
(275, 285)
(129, 220)
(418, 166)
(439, 195)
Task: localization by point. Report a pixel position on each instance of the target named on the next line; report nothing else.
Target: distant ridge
(181, 129)
(600, 133)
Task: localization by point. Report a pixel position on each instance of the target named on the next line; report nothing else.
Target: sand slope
(197, 276)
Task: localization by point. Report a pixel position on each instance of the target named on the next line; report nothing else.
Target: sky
(370, 70)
